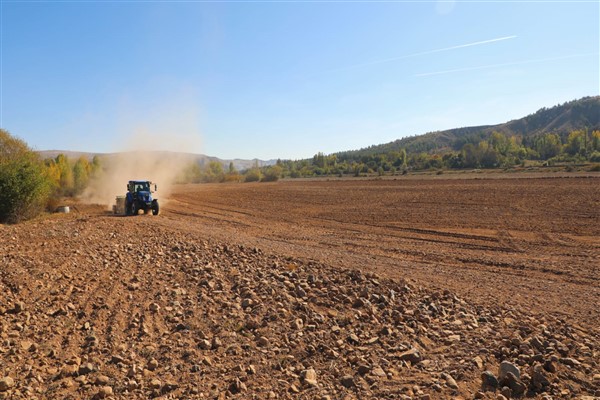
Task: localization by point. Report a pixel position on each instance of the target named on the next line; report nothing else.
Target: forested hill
(561, 119)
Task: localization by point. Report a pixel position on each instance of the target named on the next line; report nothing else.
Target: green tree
(595, 141)
(96, 166)
(231, 170)
(488, 156)
(576, 143)
(320, 160)
(81, 174)
(213, 172)
(272, 173)
(253, 175)
(470, 156)
(548, 145)
(24, 184)
(67, 181)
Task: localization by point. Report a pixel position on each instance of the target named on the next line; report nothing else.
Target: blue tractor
(139, 197)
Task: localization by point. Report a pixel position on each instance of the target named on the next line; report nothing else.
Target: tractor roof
(140, 181)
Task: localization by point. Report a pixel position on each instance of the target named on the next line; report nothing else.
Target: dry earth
(352, 289)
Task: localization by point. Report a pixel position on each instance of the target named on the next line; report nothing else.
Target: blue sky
(284, 79)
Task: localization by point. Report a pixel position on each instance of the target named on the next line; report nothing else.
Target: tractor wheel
(134, 208)
(155, 208)
(127, 209)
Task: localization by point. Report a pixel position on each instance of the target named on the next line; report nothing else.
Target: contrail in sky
(450, 71)
(460, 46)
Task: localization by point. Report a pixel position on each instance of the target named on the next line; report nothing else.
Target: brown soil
(310, 289)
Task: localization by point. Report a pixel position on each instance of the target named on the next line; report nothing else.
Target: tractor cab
(140, 186)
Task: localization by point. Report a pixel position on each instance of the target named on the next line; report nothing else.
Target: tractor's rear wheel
(155, 208)
(127, 209)
(134, 208)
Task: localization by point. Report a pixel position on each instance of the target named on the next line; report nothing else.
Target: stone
(451, 382)
(237, 386)
(412, 355)
(378, 371)
(205, 344)
(505, 368)
(310, 377)
(104, 392)
(478, 362)
(86, 368)
(6, 383)
(516, 386)
(536, 343)
(571, 362)
(297, 324)
(116, 359)
(155, 383)
(488, 382)
(347, 381)
(69, 370)
(132, 384)
(352, 338)
(18, 307)
(454, 338)
(364, 369)
(169, 386)
(263, 341)
(102, 380)
(152, 364)
(358, 303)
(539, 381)
(550, 366)
(27, 345)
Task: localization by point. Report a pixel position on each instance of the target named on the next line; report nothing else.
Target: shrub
(595, 156)
(24, 183)
(595, 168)
(272, 174)
(252, 175)
(233, 177)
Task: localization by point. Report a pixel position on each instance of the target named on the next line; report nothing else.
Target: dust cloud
(141, 161)
(154, 141)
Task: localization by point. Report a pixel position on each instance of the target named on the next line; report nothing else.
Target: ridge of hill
(561, 119)
(201, 159)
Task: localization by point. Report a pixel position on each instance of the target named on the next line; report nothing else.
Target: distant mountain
(561, 119)
(201, 159)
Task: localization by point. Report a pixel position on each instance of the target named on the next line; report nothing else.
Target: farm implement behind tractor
(138, 197)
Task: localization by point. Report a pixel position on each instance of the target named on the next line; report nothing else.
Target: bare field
(534, 242)
(436, 287)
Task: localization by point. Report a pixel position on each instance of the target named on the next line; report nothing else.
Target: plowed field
(343, 289)
(531, 242)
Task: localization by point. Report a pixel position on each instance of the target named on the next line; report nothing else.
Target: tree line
(473, 151)
(214, 172)
(28, 184)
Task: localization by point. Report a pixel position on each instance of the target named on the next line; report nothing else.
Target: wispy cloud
(466, 69)
(424, 53)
